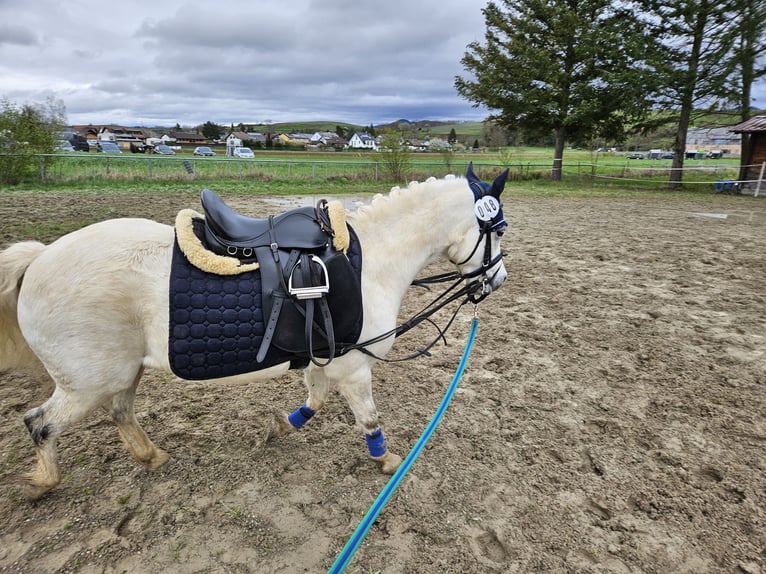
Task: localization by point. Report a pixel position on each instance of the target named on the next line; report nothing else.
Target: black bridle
(476, 284)
(473, 291)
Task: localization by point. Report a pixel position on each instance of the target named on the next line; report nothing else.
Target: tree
(211, 130)
(749, 50)
(26, 132)
(396, 156)
(452, 137)
(493, 134)
(570, 68)
(690, 61)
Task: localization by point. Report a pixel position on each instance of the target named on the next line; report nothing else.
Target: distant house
(257, 138)
(754, 159)
(328, 140)
(241, 136)
(123, 136)
(299, 139)
(714, 139)
(190, 138)
(362, 141)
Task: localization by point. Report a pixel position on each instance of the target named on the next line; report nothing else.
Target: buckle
(312, 291)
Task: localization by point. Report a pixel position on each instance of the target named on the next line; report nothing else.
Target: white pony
(92, 308)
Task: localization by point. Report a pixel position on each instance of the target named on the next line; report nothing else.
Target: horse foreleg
(357, 390)
(141, 448)
(318, 386)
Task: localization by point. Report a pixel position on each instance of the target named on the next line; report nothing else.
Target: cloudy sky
(167, 62)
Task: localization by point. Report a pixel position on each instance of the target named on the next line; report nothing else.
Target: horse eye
(500, 233)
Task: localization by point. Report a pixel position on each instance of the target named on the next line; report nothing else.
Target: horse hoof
(281, 426)
(158, 460)
(388, 462)
(34, 491)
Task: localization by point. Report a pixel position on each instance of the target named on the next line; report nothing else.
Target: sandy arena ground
(612, 418)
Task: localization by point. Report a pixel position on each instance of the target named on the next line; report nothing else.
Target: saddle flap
(344, 301)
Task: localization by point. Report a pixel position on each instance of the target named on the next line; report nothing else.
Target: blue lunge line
(361, 531)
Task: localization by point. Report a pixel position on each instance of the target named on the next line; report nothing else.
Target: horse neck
(405, 231)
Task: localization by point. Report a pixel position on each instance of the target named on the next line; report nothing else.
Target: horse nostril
(499, 278)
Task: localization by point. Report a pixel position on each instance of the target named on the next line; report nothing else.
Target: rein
(367, 521)
(468, 292)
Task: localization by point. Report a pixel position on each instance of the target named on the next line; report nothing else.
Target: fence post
(760, 180)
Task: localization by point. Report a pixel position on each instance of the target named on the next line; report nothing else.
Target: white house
(362, 141)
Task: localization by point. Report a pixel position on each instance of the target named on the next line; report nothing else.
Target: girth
(297, 260)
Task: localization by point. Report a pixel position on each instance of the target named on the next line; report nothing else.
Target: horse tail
(14, 261)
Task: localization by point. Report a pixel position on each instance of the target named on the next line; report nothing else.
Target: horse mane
(402, 200)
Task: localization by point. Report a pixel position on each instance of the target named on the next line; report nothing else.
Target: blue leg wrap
(300, 416)
(376, 443)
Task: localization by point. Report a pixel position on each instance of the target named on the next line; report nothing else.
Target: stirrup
(312, 291)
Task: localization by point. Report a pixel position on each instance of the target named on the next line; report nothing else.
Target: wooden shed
(753, 153)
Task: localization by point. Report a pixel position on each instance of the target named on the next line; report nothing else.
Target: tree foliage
(570, 68)
(395, 155)
(690, 60)
(212, 131)
(25, 132)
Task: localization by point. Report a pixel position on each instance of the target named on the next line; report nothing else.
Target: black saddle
(236, 235)
(299, 266)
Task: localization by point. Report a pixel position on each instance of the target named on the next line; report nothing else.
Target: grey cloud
(17, 35)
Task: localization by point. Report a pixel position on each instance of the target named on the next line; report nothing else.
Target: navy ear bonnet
(487, 204)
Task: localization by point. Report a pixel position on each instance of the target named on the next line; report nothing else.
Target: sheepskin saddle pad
(246, 294)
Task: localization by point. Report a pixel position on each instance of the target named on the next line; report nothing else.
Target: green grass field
(286, 172)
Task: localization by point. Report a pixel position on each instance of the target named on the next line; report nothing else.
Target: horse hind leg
(141, 448)
(45, 424)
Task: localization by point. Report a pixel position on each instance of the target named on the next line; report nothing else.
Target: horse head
(485, 262)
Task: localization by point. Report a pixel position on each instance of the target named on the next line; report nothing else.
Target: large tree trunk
(679, 147)
(558, 153)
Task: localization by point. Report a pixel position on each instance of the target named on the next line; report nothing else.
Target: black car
(79, 143)
(635, 156)
(204, 151)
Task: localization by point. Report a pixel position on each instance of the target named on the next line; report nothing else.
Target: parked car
(108, 147)
(243, 152)
(635, 156)
(79, 143)
(163, 149)
(667, 156)
(203, 151)
(65, 146)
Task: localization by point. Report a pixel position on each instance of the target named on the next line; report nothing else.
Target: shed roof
(754, 124)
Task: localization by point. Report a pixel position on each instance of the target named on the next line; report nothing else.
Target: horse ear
(499, 184)
(469, 174)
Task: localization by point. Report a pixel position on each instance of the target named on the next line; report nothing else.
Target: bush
(24, 132)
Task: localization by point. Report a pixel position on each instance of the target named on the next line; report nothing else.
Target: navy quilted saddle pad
(217, 323)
